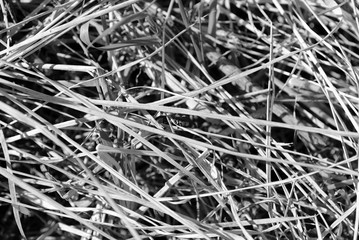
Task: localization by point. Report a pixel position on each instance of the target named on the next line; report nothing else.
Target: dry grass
(179, 119)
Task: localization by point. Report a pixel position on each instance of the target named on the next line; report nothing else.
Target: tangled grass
(212, 119)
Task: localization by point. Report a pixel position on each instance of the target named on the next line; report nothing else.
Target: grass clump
(179, 120)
